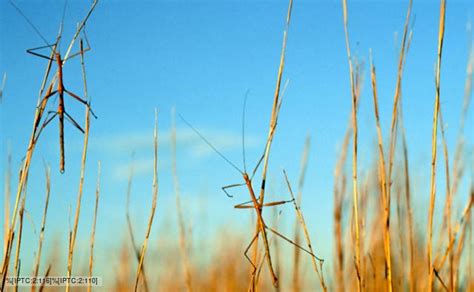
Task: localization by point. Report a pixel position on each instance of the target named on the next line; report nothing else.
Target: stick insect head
(246, 176)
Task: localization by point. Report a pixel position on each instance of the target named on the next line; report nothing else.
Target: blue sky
(201, 57)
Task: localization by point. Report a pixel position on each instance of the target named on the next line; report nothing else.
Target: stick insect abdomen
(61, 133)
(258, 209)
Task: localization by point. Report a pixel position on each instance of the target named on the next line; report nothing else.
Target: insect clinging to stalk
(253, 204)
(55, 57)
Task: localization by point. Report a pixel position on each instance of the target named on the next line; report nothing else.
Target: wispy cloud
(139, 167)
(186, 139)
(189, 145)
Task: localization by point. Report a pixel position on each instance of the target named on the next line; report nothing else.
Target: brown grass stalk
(460, 247)
(94, 222)
(397, 96)
(448, 200)
(272, 241)
(393, 132)
(41, 105)
(383, 182)
(24, 175)
(276, 216)
(463, 220)
(182, 229)
(153, 204)
(136, 248)
(273, 120)
(18, 243)
(458, 165)
(43, 224)
(339, 191)
(434, 144)
(81, 176)
(306, 235)
(411, 240)
(354, 98)
(297, 252)
(48, 271)
(6, 205)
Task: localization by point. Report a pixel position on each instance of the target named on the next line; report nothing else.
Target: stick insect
(252, 204)
(55, 57)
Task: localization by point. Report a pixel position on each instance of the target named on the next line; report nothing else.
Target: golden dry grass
(377, 244)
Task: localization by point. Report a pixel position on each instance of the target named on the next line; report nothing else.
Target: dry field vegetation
(381, 250)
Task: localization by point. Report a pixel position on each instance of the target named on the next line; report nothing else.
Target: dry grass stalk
(274, 242)
(411, 239)
(18, 243)
(153, 204)
(306, 235)
(448, 201)
(81, 176)
(463, 220)
(135, 247)
(383, 181)
(396, 99)
(43, 224)
(41, 288)
(297, 252)
(466, 217)
(434, 144)
(393, 136)
(273, 122)
(32, 143)
(460, 246)
(364, 198)
(339, 191)
(92, 240)
(278, 271)
(458, 165)
(7, 192)
(182, 229)
(23, 178)
(354, 98)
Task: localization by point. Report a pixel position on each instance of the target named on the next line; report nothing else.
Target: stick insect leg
(246, 206)
(46, 97)
(45, 123)
(247, 250)
(82, 101)
(224, 188)
(293, 243)
(88, 48)
(72, 121)
(42, 106)
(32, 51)
(257, 166)
(78, 53)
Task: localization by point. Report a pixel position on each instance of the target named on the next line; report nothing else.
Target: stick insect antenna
(210, 145)
(29, 22)
(276, 119)
(243, 129)
(64, 12)
(61, 24)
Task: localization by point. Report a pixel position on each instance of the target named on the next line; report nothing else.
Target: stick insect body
(55, 57)
(60, 90)
(254, 204)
